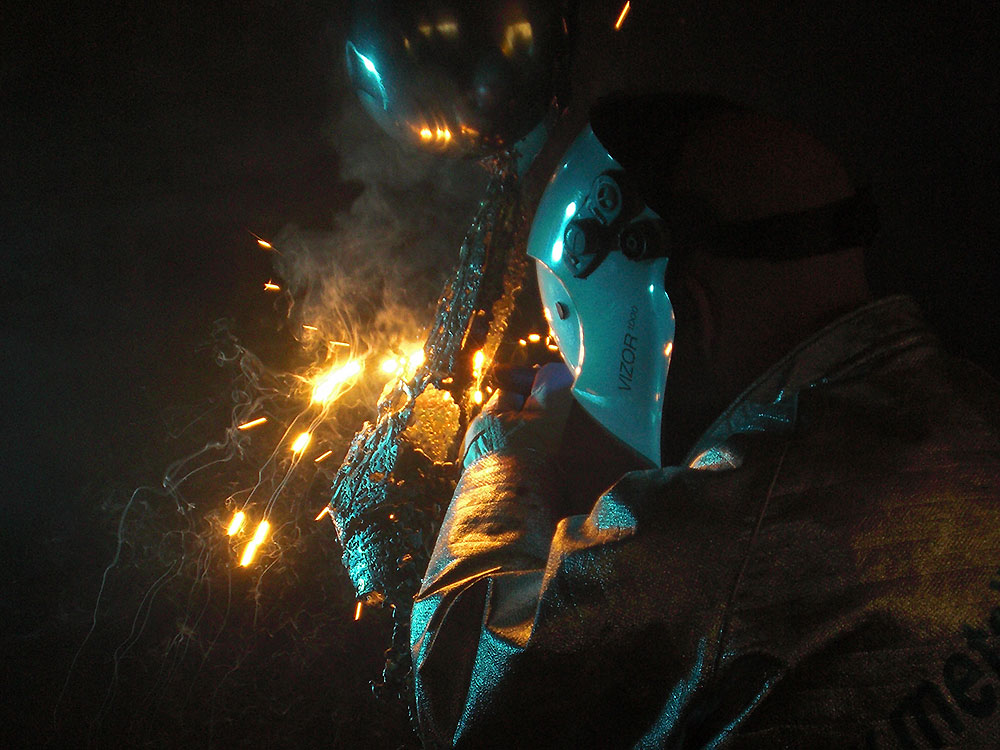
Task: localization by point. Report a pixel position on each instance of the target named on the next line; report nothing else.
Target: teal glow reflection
(557, 250)
(370, 83)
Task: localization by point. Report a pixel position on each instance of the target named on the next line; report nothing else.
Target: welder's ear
(692, 299)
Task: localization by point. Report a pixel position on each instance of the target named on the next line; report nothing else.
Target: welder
(803, 546)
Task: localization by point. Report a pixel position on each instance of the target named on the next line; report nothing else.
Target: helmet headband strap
(850, 222)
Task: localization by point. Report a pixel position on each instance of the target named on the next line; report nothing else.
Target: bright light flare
(236, 524)
(252, 423)
(516, 36)
(258, 538)
(322, 458)
(623, 15)
(437, 135)
(404, 364)
(301, 442)
(534, 338)
(270, 286)
(357, 611)
(326, 509)
(330, 386)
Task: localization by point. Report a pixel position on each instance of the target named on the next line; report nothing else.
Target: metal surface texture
(460, 78)
(389, 496)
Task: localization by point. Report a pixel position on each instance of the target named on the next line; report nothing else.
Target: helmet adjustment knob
(640, 240)
(584, 246)
(607, 199)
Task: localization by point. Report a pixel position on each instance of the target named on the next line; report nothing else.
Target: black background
(142, 143)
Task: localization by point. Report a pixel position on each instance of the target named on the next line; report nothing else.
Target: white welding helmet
(601, 261)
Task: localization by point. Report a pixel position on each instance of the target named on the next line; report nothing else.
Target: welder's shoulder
(876, 566)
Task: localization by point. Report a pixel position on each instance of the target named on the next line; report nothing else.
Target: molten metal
(301, 442)
(251, 549)
(251, 424)
(624, 13)
(236, 524)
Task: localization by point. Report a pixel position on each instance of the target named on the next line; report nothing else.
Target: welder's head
(460, 77)
(651, 183)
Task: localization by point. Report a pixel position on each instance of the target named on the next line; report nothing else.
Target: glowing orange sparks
(534, 338)
(310, 328)
(624, 13)
(270, 286)
(236, 524)
(258, 538)
(322, 513)
(323, 457)
(357, 611)
(328, 386)
(439, 135)
(252, 423)
(262, 242)
(301, 442)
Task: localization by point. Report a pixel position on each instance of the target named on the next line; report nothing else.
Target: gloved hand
(527, 427)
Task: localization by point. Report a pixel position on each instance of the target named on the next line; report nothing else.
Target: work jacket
(823, 573)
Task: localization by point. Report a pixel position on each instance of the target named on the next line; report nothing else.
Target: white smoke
(373, 281)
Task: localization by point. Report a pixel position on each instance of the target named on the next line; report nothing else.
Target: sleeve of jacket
(534, 632)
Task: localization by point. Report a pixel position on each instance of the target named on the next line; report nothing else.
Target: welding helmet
(460, 77)
(600, 255)
(608, 222)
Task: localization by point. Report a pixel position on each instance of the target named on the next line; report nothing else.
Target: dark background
(142, 143)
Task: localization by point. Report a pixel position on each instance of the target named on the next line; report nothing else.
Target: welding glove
(529, 427)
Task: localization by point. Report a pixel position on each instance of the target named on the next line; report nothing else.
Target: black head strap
(851, 222)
